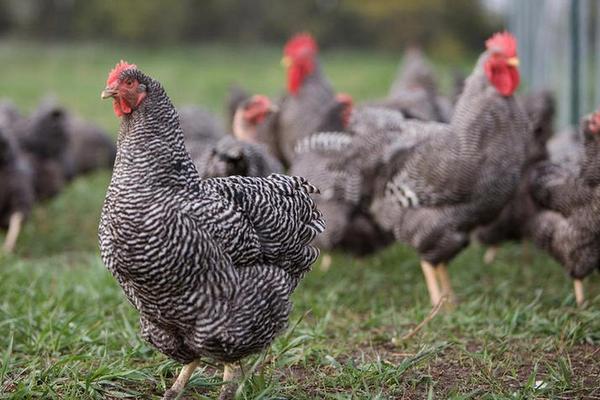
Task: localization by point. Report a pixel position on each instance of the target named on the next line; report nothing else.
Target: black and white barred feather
(209, 264)
(435, 182)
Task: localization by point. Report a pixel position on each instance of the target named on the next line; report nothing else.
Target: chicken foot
(441, 271)
(432, 284)
(182, 380)
(579, 295)
(231, 373)
(490, 254)
(14, 228)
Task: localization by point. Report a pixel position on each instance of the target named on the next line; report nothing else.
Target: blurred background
(198, 48)
(558, 39)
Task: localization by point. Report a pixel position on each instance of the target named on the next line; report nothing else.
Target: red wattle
(294, 79)
(504, 78)
(117, 108)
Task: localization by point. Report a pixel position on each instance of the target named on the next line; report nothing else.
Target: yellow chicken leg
(182, 380)
(442, 273)
(230, 376)
(579, 296)
(325, 262)
(432, 285)
(490, 254)
(14, 228)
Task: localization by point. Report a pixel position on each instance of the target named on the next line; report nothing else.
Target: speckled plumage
(209, 264)
(568, 224)
(513, 223)
(435, 189)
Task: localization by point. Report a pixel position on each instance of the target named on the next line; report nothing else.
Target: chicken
(440, 181)
(513, 221)
(349, 226)
(415, 92)
(210, 264)
(241, 154)
(44, 139)
(89, 147)
(16, 191)
(568, 225)
(321, 158)
(307, 107)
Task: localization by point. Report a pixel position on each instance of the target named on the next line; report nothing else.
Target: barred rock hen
(307, 106)
(16, 190)
(415, 92)
(437, 187)
(513, 221)
(568, 226)
(242, 154)
(209, 264)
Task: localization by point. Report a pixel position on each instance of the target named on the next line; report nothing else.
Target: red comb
(299, 43)
(504, 42)
(117, 70)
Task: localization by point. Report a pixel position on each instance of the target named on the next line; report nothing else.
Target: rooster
(568, 226)
(439, 181)
(307, 107)
(210, 264)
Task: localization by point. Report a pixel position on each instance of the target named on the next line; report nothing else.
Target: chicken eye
(129, 82)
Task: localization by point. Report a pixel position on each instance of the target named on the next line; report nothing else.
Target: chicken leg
(442, 274)
(579, 296)
(431, 281)
(230, 375)
(14, 228)
(182, 380)
(490, 254)
(326, 262)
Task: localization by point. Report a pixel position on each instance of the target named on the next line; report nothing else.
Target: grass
(67, 332)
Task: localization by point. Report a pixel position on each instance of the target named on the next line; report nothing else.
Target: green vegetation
(67, 332)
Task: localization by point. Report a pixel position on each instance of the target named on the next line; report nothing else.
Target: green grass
(67, 332)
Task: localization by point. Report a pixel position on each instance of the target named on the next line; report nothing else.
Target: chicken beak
(513, 62)
(286, 62)
(108, 92)
(273, 108)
